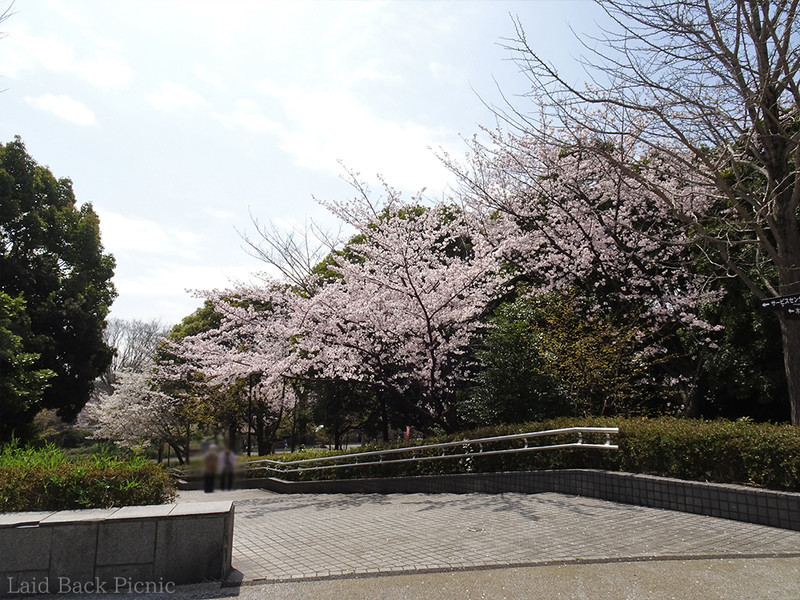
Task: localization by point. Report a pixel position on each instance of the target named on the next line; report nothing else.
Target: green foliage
(745, 374)
(22, 382)
(546, 355)
(52, 258)
(513, 385)
(203, 319)
(46, 479)
(48, 428)
(723, 451)
(595, 356)
(326, 269)
(742, 452)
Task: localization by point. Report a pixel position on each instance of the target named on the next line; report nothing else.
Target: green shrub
(45, 479)
(741, 452)
(763, 455)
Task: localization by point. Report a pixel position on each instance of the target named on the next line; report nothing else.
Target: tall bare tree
(134, 342)
(713, 85)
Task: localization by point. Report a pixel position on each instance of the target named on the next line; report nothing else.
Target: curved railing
(461, 449)
(487, 446)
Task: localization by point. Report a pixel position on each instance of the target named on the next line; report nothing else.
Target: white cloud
(171, 96)
(448, 72)
(100, 66)
(206, 76)
(220, 215)
(64, 107)
(104, 70)
(167, 290)
(123, 234)
(325, 128)
(177, 279)
(248, 115)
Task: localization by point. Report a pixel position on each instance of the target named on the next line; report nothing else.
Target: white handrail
(386, 457)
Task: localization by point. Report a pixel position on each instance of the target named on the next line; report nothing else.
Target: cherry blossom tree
(136, 415)
(126, 407)
(566, 218)
(406, 305)
(252, 336)
(241, 361)
(571, 222)
(713, 85)
(396, 310)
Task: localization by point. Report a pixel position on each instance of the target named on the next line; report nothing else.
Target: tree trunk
(692, 392)
(261, 433)
(295, 425)
(384, 414)
(787, 235)
(179, 453)
(188, 441)
(790, 331)
(233, 428)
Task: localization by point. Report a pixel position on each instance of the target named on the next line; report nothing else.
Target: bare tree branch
(294, 252)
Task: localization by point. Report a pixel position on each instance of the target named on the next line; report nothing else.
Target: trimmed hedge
(742, 452)
(46, 479)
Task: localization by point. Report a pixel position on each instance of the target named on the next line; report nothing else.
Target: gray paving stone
(289, 537)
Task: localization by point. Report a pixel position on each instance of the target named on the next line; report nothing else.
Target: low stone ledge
(130, 549)
(741, 503)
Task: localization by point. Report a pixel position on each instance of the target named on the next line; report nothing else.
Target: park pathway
(292, 537)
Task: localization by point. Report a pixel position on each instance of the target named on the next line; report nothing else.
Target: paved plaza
(482, 537)
(285, 537)
(512, 546)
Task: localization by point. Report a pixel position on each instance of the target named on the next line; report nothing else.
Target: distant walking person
(210, 467)
(228, 468)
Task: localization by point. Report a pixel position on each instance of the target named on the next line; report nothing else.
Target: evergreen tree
(52, 258)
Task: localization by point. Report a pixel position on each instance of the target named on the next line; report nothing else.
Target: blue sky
(178, 120)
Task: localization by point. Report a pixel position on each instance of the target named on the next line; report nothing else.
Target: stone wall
(134, 549)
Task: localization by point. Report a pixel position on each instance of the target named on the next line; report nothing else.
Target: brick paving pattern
(287, 537)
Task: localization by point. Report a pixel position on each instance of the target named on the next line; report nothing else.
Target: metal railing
(447, 450)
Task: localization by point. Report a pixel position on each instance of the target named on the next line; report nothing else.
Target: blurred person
(228, 468)
(210, 467)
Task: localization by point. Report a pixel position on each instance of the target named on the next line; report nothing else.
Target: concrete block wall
(134, 549)
(741, 503)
